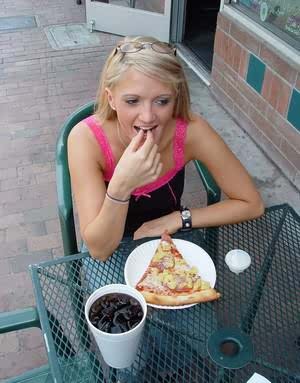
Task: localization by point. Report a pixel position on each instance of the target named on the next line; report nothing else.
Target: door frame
(178, 18)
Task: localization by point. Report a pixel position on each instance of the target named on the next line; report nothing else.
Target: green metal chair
(28, 317)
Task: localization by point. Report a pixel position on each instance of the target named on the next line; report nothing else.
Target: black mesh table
(254, 327)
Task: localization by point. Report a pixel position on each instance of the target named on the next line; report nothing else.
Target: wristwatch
(186, 218)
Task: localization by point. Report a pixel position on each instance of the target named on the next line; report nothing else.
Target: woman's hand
(139, 165)
(155, 228)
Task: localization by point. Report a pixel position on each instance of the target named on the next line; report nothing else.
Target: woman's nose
(146, 114)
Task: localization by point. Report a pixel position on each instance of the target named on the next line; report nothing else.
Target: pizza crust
(179, 300)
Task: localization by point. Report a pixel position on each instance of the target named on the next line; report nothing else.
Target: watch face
(185, 214)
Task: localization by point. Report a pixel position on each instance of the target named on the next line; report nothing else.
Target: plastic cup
(118, 350)
(237, 260)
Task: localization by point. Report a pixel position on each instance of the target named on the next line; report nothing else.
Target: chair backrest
(63, 181)
(213, 192)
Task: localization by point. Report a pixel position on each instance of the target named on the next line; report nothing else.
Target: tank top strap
(103, 142)
(179, 143)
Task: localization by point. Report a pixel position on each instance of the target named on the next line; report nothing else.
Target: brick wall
(261, 90)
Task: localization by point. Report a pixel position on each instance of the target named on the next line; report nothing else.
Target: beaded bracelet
(117, 200)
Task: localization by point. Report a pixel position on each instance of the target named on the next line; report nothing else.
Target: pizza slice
(170, 281)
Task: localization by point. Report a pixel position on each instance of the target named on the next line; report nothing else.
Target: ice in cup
(116, 317)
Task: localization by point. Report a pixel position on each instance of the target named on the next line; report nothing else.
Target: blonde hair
(161, 66)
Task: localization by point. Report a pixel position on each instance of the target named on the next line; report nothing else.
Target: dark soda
(115, 313)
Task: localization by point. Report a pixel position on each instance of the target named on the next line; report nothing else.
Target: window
(282, 17)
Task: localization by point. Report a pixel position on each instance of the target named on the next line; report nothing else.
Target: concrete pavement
(39, 88)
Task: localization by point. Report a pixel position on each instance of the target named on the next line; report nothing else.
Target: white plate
(139, 259)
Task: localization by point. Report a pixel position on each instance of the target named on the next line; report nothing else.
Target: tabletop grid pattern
(274, 325)
(175, 341)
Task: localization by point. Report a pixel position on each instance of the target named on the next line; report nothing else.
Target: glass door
(130, 17)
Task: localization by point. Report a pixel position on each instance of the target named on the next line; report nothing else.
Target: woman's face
(142, 102)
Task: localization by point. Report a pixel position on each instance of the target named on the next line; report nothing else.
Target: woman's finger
(147, 145)
(135, 143)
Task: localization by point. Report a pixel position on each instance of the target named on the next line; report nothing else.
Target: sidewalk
(39, 88)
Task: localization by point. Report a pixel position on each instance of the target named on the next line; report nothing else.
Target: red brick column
(263, 114)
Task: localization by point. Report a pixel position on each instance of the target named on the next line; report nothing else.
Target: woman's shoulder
(197, 121)
(84, 131)
(80, 130)
(83, 138)
(200, 136)
(197, 127)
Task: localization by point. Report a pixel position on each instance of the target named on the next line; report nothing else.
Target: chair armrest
(37, 375)
(19, 319)
(212, 189)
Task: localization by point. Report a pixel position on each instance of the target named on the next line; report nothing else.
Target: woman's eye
(163, 101)
(132, 101)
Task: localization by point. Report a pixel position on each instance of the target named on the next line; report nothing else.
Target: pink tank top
(110, 163)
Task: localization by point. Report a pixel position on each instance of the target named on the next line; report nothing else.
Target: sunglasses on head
(135, 46)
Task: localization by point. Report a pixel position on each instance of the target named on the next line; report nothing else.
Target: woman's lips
(145, 129)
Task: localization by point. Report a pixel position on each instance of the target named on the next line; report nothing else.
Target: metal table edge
(45, 325)
(284, 207)
(58, 261)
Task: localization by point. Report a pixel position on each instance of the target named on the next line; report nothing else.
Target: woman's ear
(110, 98)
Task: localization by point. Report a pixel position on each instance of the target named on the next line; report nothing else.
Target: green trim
(19, 319)
(38, 375)
(294, 110)
(63, 181)
(45, 325)
(256, 73)
(212, 189)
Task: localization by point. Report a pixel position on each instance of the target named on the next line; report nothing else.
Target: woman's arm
(99, 228)
(101, 220)
(242, 201)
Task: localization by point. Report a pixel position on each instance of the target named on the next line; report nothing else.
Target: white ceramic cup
(237, 260)
(118, 350)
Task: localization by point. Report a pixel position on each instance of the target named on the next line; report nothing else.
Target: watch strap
(186, 219)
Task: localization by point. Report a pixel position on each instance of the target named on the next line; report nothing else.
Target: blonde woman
(127, 160)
